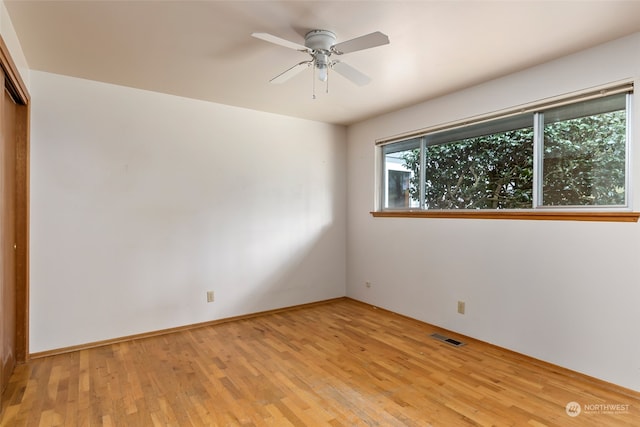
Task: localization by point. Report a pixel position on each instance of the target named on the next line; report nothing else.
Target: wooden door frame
(18, 90)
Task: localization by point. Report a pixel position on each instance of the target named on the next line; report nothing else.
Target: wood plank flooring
(337, 364)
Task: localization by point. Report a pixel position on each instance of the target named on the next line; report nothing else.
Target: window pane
(401, 162)
(488, 172)
(584, 154)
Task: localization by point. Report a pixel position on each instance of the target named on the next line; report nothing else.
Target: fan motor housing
(319, 40)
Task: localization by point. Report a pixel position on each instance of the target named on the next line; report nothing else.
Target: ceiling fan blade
(350, 73)
(361, 43)
(277, 40)
(293, 71)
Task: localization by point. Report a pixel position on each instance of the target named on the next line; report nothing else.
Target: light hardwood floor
(342, 363)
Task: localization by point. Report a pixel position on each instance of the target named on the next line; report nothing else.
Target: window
(584, 159)
(400, 180)
(571, 155)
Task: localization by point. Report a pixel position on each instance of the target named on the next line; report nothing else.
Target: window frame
(538, 200)
(537, 210)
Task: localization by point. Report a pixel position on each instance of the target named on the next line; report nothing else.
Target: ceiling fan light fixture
(321, 62)
(322, 73)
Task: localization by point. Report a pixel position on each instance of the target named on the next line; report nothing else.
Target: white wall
(563, 292)
(141, 202)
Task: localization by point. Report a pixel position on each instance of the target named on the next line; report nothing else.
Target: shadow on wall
(253, 260)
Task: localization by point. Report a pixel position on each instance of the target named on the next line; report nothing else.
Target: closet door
(7, 236)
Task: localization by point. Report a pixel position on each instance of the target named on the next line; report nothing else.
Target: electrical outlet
(209, 296)
(461, 307)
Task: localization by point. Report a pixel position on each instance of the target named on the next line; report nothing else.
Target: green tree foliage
(584, 161)
(583, 164)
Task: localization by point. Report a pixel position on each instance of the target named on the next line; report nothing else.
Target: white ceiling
(204, 49)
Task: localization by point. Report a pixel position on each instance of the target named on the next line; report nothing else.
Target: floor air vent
(451, 341)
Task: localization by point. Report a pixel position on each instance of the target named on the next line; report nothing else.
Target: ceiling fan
(321, 45)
